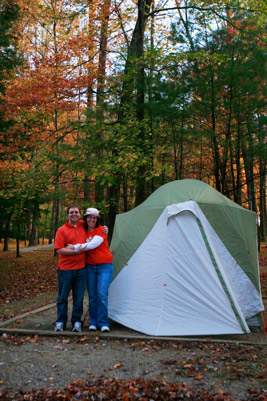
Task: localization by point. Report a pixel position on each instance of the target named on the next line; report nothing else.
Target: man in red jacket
(72, 274)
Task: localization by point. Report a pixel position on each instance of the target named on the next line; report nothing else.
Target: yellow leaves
(126, 160)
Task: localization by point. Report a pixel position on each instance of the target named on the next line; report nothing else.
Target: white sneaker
(59, 326)
(92, 327)
(77, 326)
(104, 328)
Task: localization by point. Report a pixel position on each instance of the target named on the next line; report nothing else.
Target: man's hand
(78, 251)
(105, 230)
(69, 250)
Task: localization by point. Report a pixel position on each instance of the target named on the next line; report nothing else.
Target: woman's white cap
(93, 211)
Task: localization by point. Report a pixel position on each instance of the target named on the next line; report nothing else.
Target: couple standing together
(84, 260)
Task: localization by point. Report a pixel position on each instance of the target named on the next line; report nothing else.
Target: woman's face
(91, 221)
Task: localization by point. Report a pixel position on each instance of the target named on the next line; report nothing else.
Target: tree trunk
(135, 53)
(237, 195)
(89, 103)
(101, 75)
(150, 98)
(213, 135)
(113, 194)
(100, 92)
(7, 229)
(248, 156)
(52, 224)
(87, 189)
(35, 218)
(263, 178)
(17, 241)
(125, 194)
(143, 8)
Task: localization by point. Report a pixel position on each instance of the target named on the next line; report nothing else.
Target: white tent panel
(170, 286)
(238, 283)
(134, 295)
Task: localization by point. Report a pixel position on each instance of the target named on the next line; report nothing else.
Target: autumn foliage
(113, 100)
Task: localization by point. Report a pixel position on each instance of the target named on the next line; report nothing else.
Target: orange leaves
(199, 377)
(82, 339)
(115, 389)
(17, 340)
(118, 365)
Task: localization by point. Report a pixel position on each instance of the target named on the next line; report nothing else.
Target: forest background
(102, 102)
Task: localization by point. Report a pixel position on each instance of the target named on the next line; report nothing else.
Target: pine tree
(9, 57)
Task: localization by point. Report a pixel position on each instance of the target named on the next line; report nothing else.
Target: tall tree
(10, 57)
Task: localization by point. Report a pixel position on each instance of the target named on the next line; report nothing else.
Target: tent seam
(220, 277)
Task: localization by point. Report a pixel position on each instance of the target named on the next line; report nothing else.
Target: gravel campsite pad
(36, 368)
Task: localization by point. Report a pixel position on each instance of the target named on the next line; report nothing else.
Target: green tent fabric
(234, 226)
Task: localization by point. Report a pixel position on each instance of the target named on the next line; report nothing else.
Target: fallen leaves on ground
(19, 340)
(32, 274)
(115, 389)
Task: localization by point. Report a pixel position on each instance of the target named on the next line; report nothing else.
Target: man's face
(74, 216)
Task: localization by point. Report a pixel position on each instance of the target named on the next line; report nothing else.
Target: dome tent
(186, 263)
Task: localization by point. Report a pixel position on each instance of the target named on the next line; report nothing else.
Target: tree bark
(100, 92)
(17, 241)
(52, 224)
(248, 156)
(35, 218)
(6, 235)
(133, 63)
(263, 179)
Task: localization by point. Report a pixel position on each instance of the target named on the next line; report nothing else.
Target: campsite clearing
(33, 367)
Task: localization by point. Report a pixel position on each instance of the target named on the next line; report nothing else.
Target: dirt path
(34, 248)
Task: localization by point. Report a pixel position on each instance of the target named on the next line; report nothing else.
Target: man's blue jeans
(75, 280)
(99, 279)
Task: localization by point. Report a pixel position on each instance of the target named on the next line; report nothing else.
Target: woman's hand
(105, 230)
(69, 246)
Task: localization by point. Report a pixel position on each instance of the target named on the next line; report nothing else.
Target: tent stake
(265, 326)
